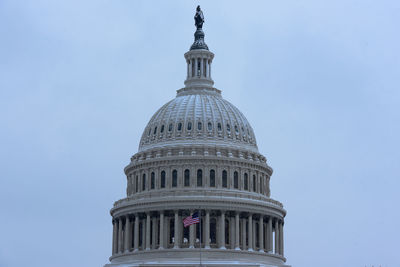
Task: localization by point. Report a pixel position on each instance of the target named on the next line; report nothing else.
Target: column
(207, 230)
(161, 238)
(232, 234)
(207, 69)
(127, 234)
(196, 67)
(202, 74)
(281, 237)
(237, 246)
(243, 234)
(269, 234)
(222, 231)
(261, 233)
(191, 234)
(188, 67)
(114, 239)
(154, 233)
(254, 234)
(136, 233)
(250, 234)
(276, 237)
(148, 231)
(176, 236)
(120, 244)
(143, 243)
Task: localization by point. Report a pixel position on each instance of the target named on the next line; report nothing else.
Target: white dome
(198, 117)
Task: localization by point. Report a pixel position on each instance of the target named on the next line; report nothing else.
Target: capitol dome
(198, 118)
(198, 190)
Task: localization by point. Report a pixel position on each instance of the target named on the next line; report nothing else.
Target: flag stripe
(191, 220)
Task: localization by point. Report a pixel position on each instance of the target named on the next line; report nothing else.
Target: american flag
(191, 219)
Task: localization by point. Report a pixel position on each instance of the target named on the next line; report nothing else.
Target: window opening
(246, 182)
(212, 178)
(224, 179)
(144, 182)
(236, 180)
(174, 178)
(153, 180)
(163, 179)
(187, 178)
(199, 177)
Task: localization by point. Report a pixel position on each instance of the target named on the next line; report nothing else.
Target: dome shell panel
(198, 118)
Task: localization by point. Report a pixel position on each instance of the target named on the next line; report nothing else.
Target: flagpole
(200, 235)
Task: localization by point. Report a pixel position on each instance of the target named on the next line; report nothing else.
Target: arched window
(209, 126)
(236, 180)
(254, 183)
(162, 182)
(187, 178)
(137, 183)
(199, 126)
(246, 182)
(199, 177)
(155, 130)
(228, 128)
(180, 126)
(224, 179)
(162, 128)
(170, 127)
(236, 129)
(189, 126)
(153, 180)
(174, 178)
(219, 127)
(144, 182)
(212, 178)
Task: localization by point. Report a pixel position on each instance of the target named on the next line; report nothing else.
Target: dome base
(191, 257)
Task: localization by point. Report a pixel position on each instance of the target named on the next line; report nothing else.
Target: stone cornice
(271, 207)
(198, 159)
(210, 254)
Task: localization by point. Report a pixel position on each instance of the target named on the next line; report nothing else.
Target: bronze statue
(199, 18)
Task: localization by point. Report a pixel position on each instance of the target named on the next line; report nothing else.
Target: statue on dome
(199, 18)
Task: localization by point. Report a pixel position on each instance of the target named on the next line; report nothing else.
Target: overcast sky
(317, 80)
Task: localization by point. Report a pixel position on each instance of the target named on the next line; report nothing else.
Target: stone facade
(198, 153)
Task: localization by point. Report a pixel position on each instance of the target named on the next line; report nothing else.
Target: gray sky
(318, 81)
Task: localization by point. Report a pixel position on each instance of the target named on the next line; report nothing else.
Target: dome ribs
(201, 107)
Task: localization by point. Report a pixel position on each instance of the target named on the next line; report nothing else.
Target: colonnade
(199, 67)
(218, 229)
(243, 179)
